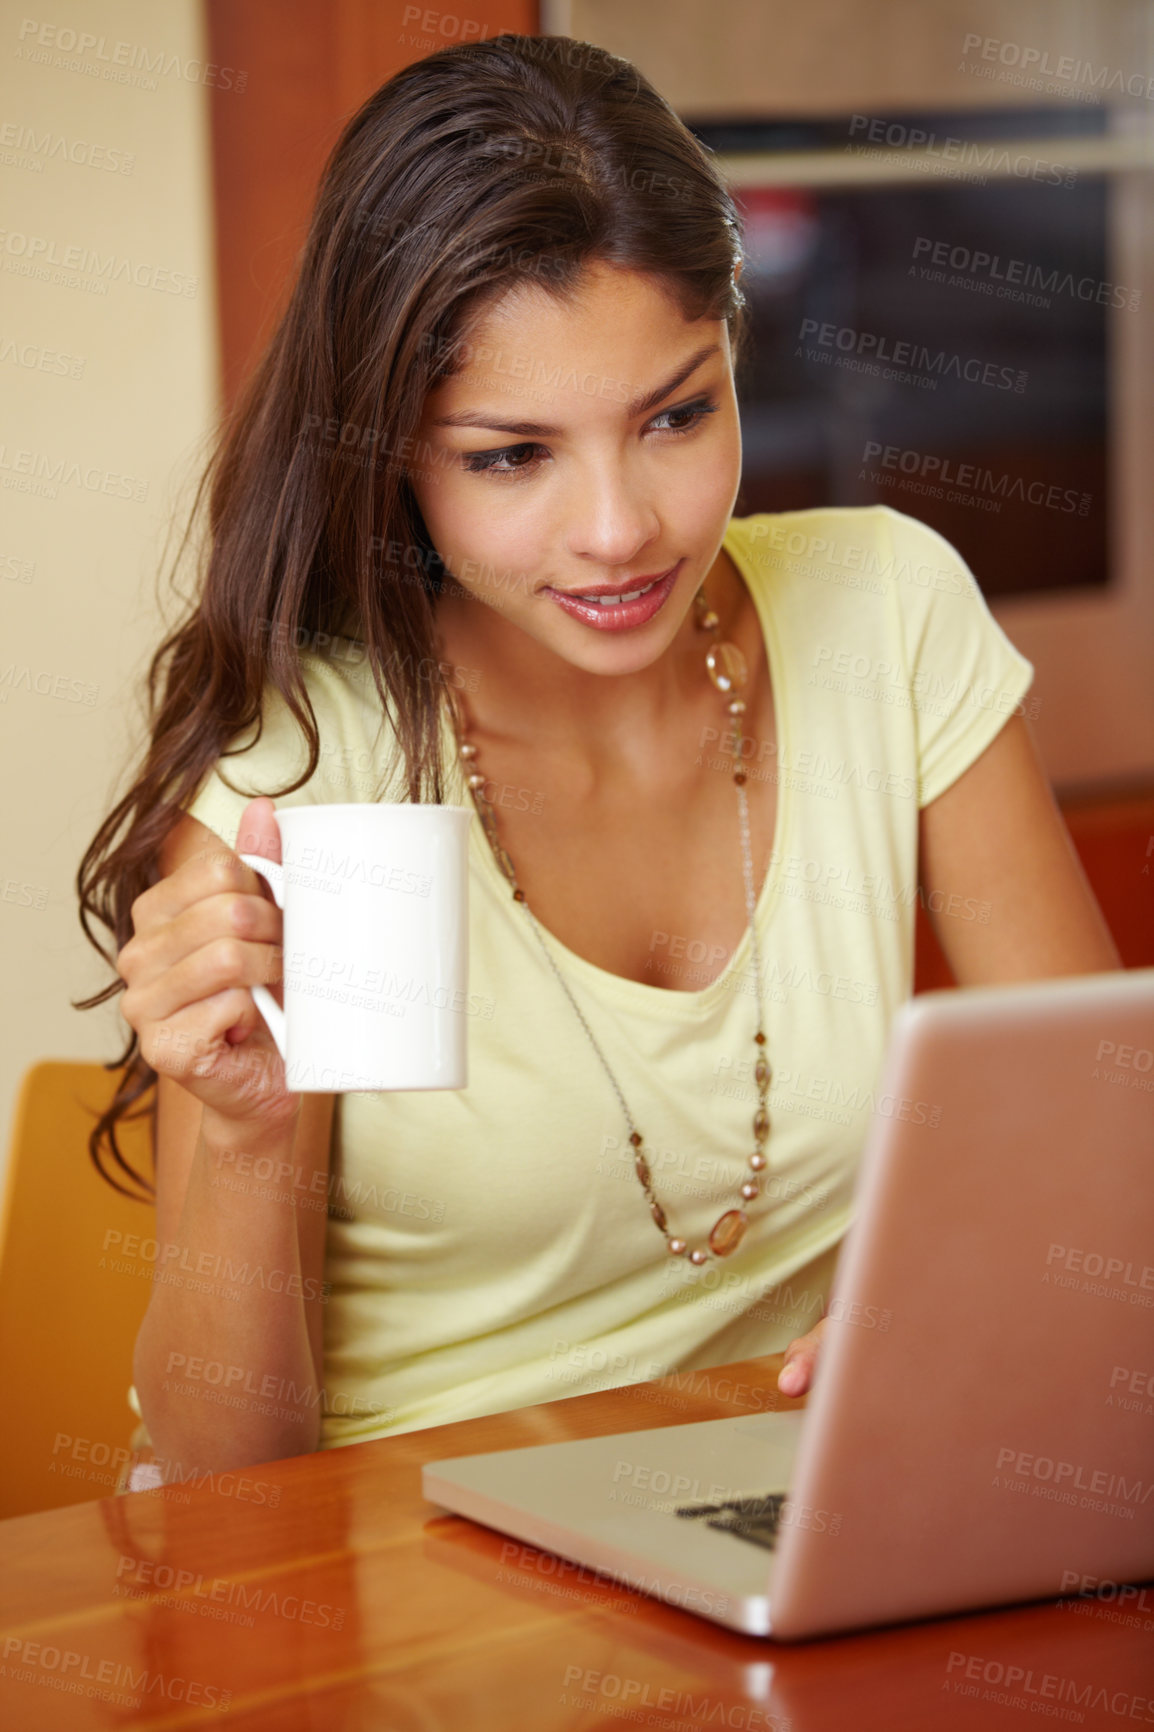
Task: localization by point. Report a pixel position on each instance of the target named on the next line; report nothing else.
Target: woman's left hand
(796, 1375)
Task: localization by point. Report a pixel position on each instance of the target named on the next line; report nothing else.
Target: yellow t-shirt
(490, 1247)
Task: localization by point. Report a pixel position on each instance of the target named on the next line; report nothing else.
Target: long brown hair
(480, 167)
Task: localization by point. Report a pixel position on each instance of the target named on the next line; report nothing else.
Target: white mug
(376, 947)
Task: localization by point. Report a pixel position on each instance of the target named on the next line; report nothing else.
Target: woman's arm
(241, 1285)
(229, 1359)
(996, 836)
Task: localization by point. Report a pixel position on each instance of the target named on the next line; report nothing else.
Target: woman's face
(587, 443)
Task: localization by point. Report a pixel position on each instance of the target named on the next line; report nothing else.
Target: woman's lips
(624, 615)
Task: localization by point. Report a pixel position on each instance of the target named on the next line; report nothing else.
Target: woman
(500, 401)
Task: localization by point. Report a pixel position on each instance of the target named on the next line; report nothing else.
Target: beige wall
(758, 57)
(102, 395)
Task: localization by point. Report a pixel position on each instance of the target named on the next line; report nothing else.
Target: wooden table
(323, 1593)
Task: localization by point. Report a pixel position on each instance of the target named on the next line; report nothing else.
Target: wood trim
(309, 64)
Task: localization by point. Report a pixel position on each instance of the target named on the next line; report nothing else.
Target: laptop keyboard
(755, 1519)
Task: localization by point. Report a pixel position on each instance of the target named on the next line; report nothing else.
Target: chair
(75, 1280)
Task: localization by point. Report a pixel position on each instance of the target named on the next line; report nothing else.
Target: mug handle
(273, 874)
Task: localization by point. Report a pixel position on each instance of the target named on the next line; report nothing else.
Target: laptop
(981, 1426)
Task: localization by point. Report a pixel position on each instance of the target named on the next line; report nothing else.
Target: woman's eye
(524, 459)
(686, 418)
(511, 460)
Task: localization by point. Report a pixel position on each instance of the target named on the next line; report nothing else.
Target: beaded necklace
(726, 667)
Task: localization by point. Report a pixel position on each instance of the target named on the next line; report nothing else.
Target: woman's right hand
(202, 936)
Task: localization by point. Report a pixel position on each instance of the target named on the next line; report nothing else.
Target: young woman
(470, 539)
